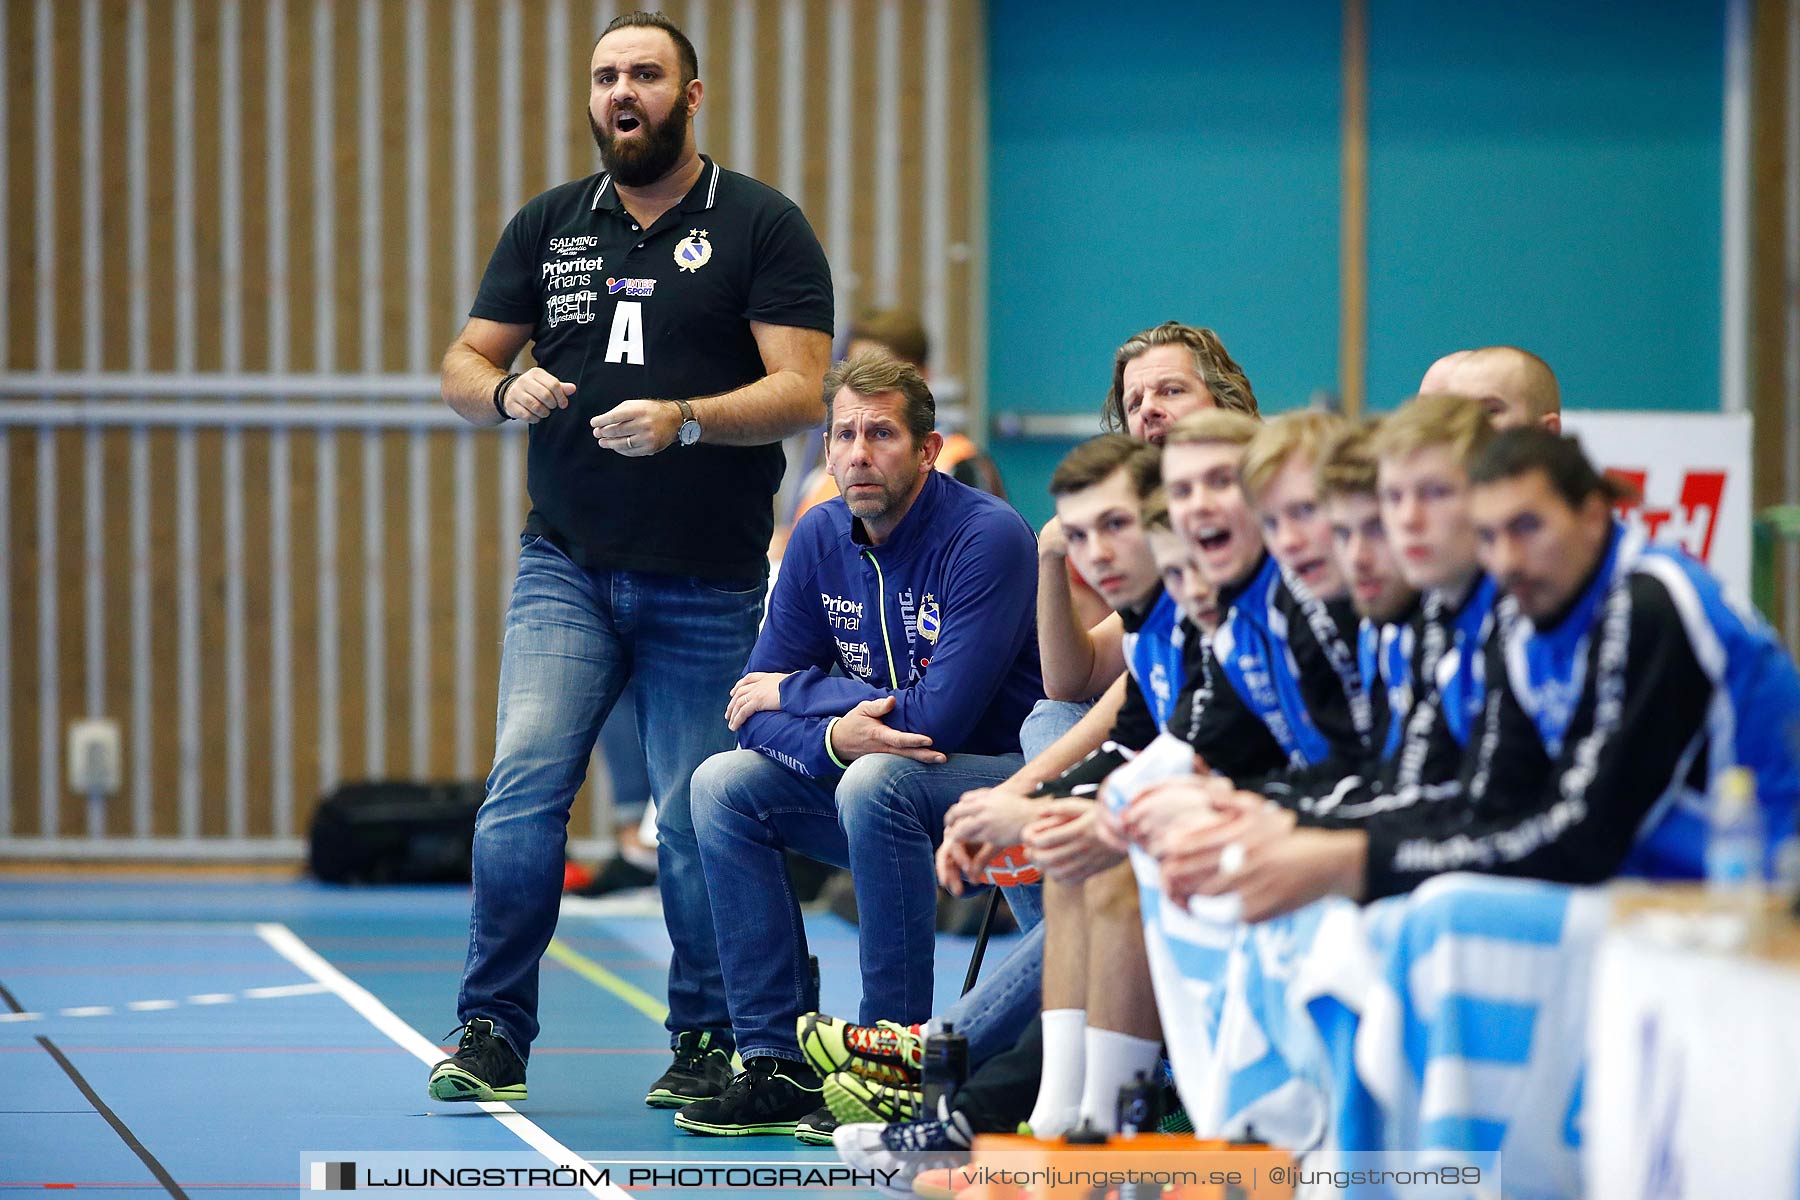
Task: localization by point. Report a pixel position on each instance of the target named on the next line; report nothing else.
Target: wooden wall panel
(311, 199)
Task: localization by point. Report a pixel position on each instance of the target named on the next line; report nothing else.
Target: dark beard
(644, 163)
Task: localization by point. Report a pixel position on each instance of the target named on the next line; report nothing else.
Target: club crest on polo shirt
(929, 624)
(693, 251)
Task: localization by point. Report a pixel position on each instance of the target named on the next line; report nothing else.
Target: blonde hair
(1458, 422)
(1346, 465)
(1280, 440)
(1212, 425)
(1226, 380)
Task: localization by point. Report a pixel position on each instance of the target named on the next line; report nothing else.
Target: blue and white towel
(1463, 1008)
(1438, 1028)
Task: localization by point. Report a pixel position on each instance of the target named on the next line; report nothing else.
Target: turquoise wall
(1544, 174)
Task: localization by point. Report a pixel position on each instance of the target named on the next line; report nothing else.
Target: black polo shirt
(629, 314)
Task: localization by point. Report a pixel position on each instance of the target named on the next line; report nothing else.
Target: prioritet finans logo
(334, 1177)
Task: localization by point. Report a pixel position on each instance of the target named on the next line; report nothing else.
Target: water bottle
(1140, 1106)
(1735, 846)
(945, 1068)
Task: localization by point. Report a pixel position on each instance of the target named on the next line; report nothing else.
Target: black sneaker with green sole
(768, 1096)
(815, 1128)
(484, 1067)
(701, 1069)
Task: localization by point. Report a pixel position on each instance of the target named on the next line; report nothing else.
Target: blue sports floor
(202, 1038)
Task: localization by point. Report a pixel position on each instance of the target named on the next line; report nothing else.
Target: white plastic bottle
(1736, 845)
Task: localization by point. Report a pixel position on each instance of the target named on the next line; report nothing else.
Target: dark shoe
(815, 1128)
(484, 1067)
(616, 876)
(767, 1096)
(700, 1071)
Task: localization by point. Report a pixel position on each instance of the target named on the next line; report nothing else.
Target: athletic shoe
(852, 1098)
(617, 875)
(700, 1071)
(885, 1052)
(484, 1067)
(767, 1096)
(909, 1149)
(816, 1128)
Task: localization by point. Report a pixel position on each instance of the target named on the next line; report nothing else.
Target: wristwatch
(689, 433)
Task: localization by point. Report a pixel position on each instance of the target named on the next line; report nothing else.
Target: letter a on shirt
(627, 341)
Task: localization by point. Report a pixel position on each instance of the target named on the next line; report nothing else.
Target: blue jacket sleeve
(986, 614)
(816, 692)
(797, 743)
(794, 637)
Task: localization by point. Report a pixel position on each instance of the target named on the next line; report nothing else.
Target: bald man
(1437, 376)
(1515, 386)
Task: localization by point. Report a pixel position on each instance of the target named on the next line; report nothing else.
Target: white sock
(1059, 1090)
(1114, 1060)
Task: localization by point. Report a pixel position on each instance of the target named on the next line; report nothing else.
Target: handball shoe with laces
(885, 1052)
(769, 1095)
(484, 1067)
(700, 1071)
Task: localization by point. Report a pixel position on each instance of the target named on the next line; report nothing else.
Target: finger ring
(1231, 859)
(630, 439)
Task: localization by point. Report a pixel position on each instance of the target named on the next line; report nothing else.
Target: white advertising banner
(1692, 472)
(1692, 1064)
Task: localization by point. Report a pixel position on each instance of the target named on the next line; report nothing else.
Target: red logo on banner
(1692, 521)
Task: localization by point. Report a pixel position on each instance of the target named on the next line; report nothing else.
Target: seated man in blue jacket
(922, 590)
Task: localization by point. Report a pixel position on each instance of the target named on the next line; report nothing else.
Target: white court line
(212, 998)
(292, 989)
(21, 1016)
(290, 947)
(151, 1005)
(87, 1010)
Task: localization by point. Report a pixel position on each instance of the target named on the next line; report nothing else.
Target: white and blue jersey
(1153, 645)
(1458, 669)
(1603, 730)
(1161, 650)
(1384, 661)
(1286, 660)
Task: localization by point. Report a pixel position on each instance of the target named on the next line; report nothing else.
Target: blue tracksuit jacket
(942, 616)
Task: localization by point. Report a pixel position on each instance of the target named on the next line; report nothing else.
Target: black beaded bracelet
(500, 396)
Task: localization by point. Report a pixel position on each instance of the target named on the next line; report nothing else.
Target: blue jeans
(573, 638)
(624, 755)
(1006, 998)
(1047, 721)
(1000, 1006)
(883, 820)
